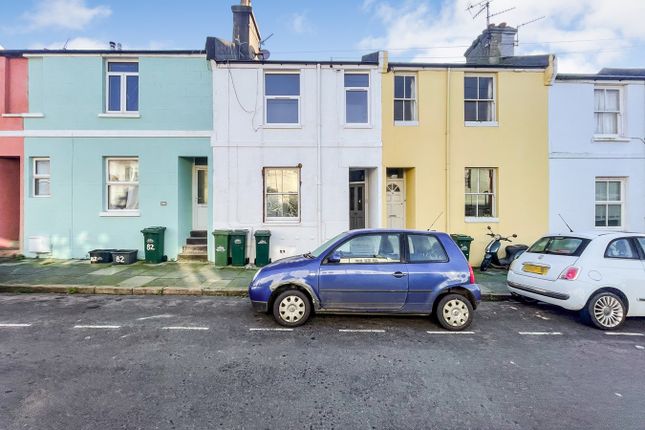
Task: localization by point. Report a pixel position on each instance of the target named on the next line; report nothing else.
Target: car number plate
(532, 268)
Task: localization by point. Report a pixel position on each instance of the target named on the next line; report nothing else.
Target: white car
(601, 274)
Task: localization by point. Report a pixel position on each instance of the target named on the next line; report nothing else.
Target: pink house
(13, 104)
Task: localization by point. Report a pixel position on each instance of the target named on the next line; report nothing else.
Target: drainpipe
(448, 150)
(319, 152)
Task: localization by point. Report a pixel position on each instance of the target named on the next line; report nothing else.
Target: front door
(395, 197)
(200, 198)
(356, 206)
(368, 276)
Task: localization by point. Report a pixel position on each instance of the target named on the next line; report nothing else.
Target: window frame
(283, 220)
(402, 259)
(633, 246)
(477, 123)
(108, 182)
(619, 115)
(123, 88)
(407, 250)
(36, 176)
(494, 215)
(415, 104)
(366, 90)
(266, 97)
(606, 203)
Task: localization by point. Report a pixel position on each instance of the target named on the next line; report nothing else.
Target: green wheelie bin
(238, 247)
(222, 252)
(262, 240)
(153, 239)
(463, 242)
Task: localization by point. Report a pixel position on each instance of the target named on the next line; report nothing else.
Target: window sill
(119, 115)
(600, 138)
(357, 125)
(481, 124)
(406, 123)
(34, 196)
(124, 213)
(282, 222)
(23, 115)
(481, 219)
(279, 126)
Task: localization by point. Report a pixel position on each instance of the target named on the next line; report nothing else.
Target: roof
(22, 52)
(514, 62)
(606, 74)
(593, 234)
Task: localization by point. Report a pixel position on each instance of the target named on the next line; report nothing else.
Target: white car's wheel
(606, 310)
(454, 312)
(291, 308)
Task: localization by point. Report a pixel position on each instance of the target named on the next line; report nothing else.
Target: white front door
(200, 198)
(395, 203)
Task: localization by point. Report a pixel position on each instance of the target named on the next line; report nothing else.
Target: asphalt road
(100, 362)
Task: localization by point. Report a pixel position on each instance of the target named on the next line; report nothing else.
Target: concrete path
(81, 277)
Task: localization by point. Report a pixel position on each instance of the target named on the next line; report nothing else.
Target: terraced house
(466, 145)
(597, 150)
(115, 141)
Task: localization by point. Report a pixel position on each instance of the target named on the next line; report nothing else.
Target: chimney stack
(496, 42)
(246, 34)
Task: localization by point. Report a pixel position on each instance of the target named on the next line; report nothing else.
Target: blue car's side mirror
(334, 258)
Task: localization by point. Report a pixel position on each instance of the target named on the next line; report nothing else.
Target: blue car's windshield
(322, 248)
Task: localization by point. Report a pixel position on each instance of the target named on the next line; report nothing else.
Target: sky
(586, 35)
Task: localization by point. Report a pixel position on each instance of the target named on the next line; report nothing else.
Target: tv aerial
(477, 9)
(517, 27)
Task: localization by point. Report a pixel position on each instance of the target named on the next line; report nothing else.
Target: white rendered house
(597, 151)
(296, 150)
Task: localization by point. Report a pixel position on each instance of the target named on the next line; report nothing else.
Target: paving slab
(137, 281)
(108, 271)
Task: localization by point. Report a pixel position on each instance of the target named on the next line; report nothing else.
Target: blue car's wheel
(291, 308)
(454, 312)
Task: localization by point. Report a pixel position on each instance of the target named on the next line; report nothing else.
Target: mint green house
(116, 141)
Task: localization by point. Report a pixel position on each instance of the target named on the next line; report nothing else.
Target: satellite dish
(264, 54)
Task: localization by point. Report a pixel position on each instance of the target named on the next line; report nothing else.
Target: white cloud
(585, 34)
(75, 43)
(300, 24)
(63, 14)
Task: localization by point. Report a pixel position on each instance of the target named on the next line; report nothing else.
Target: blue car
(371, 271)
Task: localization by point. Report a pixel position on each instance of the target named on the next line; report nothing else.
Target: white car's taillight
(570, 273)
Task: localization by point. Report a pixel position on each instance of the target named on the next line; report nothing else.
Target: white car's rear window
(559, 245)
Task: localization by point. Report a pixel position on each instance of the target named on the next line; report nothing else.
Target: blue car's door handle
(398, 274)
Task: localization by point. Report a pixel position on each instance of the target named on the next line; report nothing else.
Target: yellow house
(465, 145)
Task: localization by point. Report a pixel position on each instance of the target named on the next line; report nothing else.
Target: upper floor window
(357, 86)
(122, 87)
(405, 98)
(41, 177)
(607, 111)
(479, 99)
(122, 184)
(609, 202)
(480, 192)
(282, 98)
(282, 193)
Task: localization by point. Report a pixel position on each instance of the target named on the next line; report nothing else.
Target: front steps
(196, 248)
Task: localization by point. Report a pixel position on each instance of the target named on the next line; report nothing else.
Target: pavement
(170, 278)
(162, 362)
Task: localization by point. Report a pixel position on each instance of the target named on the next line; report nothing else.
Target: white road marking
(540, 333)
(450, 332)
(98, 326)
(349, 330)
(639, 346)
(183, 328)
(8, 325)
(618, 333)
(270, 329)
(155, 316)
